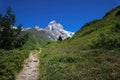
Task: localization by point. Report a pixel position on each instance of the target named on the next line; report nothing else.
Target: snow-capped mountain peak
(38, 28)
(54, 30)
(53, 26)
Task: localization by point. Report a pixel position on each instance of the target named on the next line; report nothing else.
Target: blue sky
(72, 14)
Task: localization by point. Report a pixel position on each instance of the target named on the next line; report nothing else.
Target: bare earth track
(30, 69)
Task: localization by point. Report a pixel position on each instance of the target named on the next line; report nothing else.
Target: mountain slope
(36, 39)
(93, 53)
(108, 27)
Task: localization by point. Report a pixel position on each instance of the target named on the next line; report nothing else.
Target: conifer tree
(10, 38)
(60, 38)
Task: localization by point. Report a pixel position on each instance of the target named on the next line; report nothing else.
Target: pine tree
(10, 38)
(60, 38)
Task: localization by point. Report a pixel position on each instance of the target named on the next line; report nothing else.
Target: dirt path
(30, 70)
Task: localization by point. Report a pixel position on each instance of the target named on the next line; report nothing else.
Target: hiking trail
(31, 67)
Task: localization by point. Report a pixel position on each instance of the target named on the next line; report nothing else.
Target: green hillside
(36, 39)
(12, 60)
(92, 54)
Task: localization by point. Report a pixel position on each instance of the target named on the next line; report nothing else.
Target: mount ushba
(54, 31)
(41, 36)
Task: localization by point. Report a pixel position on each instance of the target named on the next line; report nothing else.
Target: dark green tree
(60, 38)
(10, 38)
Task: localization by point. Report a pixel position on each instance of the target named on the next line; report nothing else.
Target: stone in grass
(35, 60)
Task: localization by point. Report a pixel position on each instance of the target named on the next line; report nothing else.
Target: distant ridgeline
(39, 37)
(53, 31)
(36, 39)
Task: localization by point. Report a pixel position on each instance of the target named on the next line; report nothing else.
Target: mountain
(39, 37)
(93, 53)
(36, 39)
(54, 30)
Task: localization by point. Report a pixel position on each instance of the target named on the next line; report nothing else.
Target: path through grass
(30, 70)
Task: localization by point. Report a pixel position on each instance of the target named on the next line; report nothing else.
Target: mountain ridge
(54, 30)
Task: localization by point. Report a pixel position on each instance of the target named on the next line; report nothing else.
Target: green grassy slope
(36, 39)
(92, 54)
(11, 62)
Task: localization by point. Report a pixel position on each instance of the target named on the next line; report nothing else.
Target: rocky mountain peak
(54, 30)
(53, 25)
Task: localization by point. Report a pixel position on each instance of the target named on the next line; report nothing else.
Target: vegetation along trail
(31, 65)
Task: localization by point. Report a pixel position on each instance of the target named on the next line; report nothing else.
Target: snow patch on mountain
(38, 28)
(25, 29)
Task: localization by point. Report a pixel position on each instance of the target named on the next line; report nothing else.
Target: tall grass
(11, 62)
